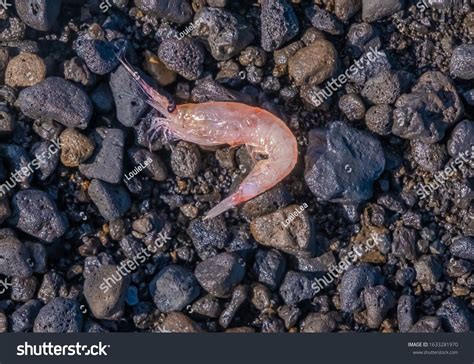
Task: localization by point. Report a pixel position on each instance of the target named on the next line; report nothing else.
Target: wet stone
(208, 236)
(455, 315)
(105, 294)
(406, 313)
(111, 201)
(430, 157)
(378, 301)
(318, 323)
(279, 24)
(269, 267)
(61, 315)
(342, 163)
(155, 167)
(25, 70)
(106, 163)
(176, 11)
(23, 289)
(427, 324)
(75, 147)
(177, 322)
(462, 62)
(269, 201)
(324, 20)
(428, 271)
(57, 99)
(38, 256)
(239, 296)
(373, 10)
(226, 33)
(353, 282)
(432, 106)
(461, 139)
(296, 287)
(288, 229)
(404, 241)
(183, 56)
(463, 248)
(38, 14)
(346, 9)
(208, 306)
(35, 213)
(173, 288)
(313, 64)
(14, 257)
(22, 320)
(220, 274)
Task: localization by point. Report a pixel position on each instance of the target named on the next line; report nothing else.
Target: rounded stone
(75, 147)
(24, 70)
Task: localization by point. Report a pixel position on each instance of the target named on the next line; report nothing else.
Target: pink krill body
(232, 123)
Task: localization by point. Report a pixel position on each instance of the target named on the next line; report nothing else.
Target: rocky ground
(368, 151)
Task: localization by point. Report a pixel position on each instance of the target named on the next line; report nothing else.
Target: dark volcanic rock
(463, 248)
(378, 301)
(176, 11)
(112, 201)
(105, 294)
(342, 163)
(38, 14)
(129, 100)
(432, 106)
(35, 213)
(324, 20)
(57, 99)
(226, 33)
(373, 10)
(14, 257)
(23, 318)
(100, 56)
(208, 236)
(106, 163)
(279, 24)
(61, 315)
(296, 287)
(462, 62)
(220, 274)
(353, 282)
(183, 56)
(455, 315)
(173, 288)
(269, 267)
(462, 138)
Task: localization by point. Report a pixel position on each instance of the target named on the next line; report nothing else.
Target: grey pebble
(22, 320)
(208, 236)
(279, 24)
(455, 315)
(106, 163)
(373, 10)
(61, 315)
(462, 62)
(378, 301)
(463, 248)
(296, 287)
(185, 159)
(406, 313)
(38, 14)
(47, 161)
(220, 274)
(176, 11)
(269, 267)
(35, 213)
(112, 201)
(57, 99)
(14, 257)
(183, 56)
(173, 288)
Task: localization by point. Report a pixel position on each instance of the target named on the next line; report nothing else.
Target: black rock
(361, 37)
(428, 271)
(102, 98)
(432, 106)
(373, 10)
(38, 14)
(342, 163)
(61, 315)
(57, 99)
(176, 11)
(35, 213)
(461, 139)
(100, 56)
(106, 163)
(384, 88)
(220, 274)
(463, 248)
(226, 33)
(353, 282)
(173, 288)
(462, 62)
(23, 289)
(269, 267)
(185, 159)
(324, 20)
(14, 257)
(455, 315)
(22, 320)
(209, 90)
(279, 24)
(47, 161)
(378, 301)
(208, 236)
(430, 157)
(129, 100)
(18, 159)
(105, 290)
(296, 287)
(155, 167)
(183, 56)
(406, 313)
(112, 201)
(404, 243)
